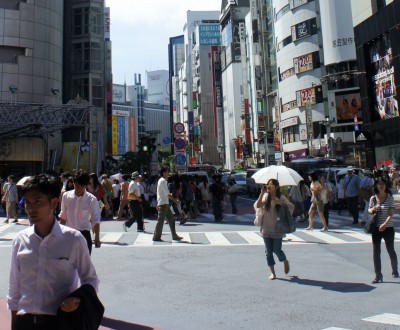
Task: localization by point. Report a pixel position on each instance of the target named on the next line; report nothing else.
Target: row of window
(87, 20)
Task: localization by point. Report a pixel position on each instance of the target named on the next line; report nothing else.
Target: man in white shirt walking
(135, 204)
(80, 210)
(163, 208)
(45, 260)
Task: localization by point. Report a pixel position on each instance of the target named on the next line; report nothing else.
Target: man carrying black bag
(46, 258)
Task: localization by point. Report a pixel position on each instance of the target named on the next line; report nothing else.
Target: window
(282, 12)
(291, 134)
(10, 54)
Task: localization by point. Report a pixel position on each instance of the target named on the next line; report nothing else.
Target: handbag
(285, 223)
(233, 189)
(259, 217)
(370, 224)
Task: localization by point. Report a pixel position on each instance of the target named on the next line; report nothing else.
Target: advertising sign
(382, 77)
(304, 63)
(289, 106)
(337, 31)
(107, 23)
(209, 34)
(289, 122)
(303, 132)
(348, 106)
(305, 96)
(119, 94)
(286, 74)
(304, 29)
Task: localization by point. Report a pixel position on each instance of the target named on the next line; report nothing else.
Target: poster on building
(337, 31)
(348, 106)
(119, 95)
(306, 62)
(304, 29)
(303, 132)
(305, 96)
(382, 72)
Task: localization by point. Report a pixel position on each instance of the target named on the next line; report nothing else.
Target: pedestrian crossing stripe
(385, 318)
(228, 238)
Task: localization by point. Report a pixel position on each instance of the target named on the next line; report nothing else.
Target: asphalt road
(218, 278)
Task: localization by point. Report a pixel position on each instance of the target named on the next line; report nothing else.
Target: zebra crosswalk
(217, 238)
(385, 319)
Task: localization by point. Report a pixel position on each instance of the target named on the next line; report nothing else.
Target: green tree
(132, 161)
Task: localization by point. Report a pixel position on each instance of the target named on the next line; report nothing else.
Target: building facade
(378, 54)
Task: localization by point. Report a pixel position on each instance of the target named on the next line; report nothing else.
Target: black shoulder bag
(370, 225)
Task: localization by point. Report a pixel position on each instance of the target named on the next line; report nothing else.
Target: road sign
(179, 128)
(180, 159)
(180, 144)
(166, 140)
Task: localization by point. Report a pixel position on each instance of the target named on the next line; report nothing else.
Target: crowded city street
(216, 277)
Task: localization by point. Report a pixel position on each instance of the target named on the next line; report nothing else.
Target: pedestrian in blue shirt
(352, 188)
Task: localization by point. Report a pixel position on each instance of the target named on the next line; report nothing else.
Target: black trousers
(88, 237)
(352, 205)
(388, 236)
(327, 206)
(136, 214)
(28, 322)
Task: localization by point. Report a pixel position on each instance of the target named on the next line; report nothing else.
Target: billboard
(304, 29)
(382, 77)
(209, 34)
(306, 62)
(348, 106)
(337, 31)
(107, 20)
(310, 95)
(119, 94)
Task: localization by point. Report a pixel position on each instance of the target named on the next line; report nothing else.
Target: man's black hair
(164, 169)
(45, 184)
(82, 178)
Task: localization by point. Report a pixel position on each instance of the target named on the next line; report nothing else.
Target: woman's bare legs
(310, 220)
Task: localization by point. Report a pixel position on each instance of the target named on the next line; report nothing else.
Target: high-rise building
(234, 82)
(85, 72)
(208, 129)
(31, 89)
(378, 57)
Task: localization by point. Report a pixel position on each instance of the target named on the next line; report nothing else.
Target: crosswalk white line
(359, 236)
(385, 318)
(397, 235)
(290, 238)
(217, 239)
(335, 328)
(143, 240)
(111, 238)
(251, 237)
(9, 236)
(325, 237)
(5, 227)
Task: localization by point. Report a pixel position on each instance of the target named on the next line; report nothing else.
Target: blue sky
(140, 32)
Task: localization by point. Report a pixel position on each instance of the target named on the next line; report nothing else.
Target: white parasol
(117, 176)
(285, 175)
(22, 181)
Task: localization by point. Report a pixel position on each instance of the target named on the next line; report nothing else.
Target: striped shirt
(384, 211)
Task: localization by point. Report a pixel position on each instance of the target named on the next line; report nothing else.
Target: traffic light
(152, 145)
(145, 148)
(144, 144)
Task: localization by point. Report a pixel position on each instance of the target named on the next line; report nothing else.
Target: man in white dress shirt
(80, 210)
(163, 207)
(46, 258)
